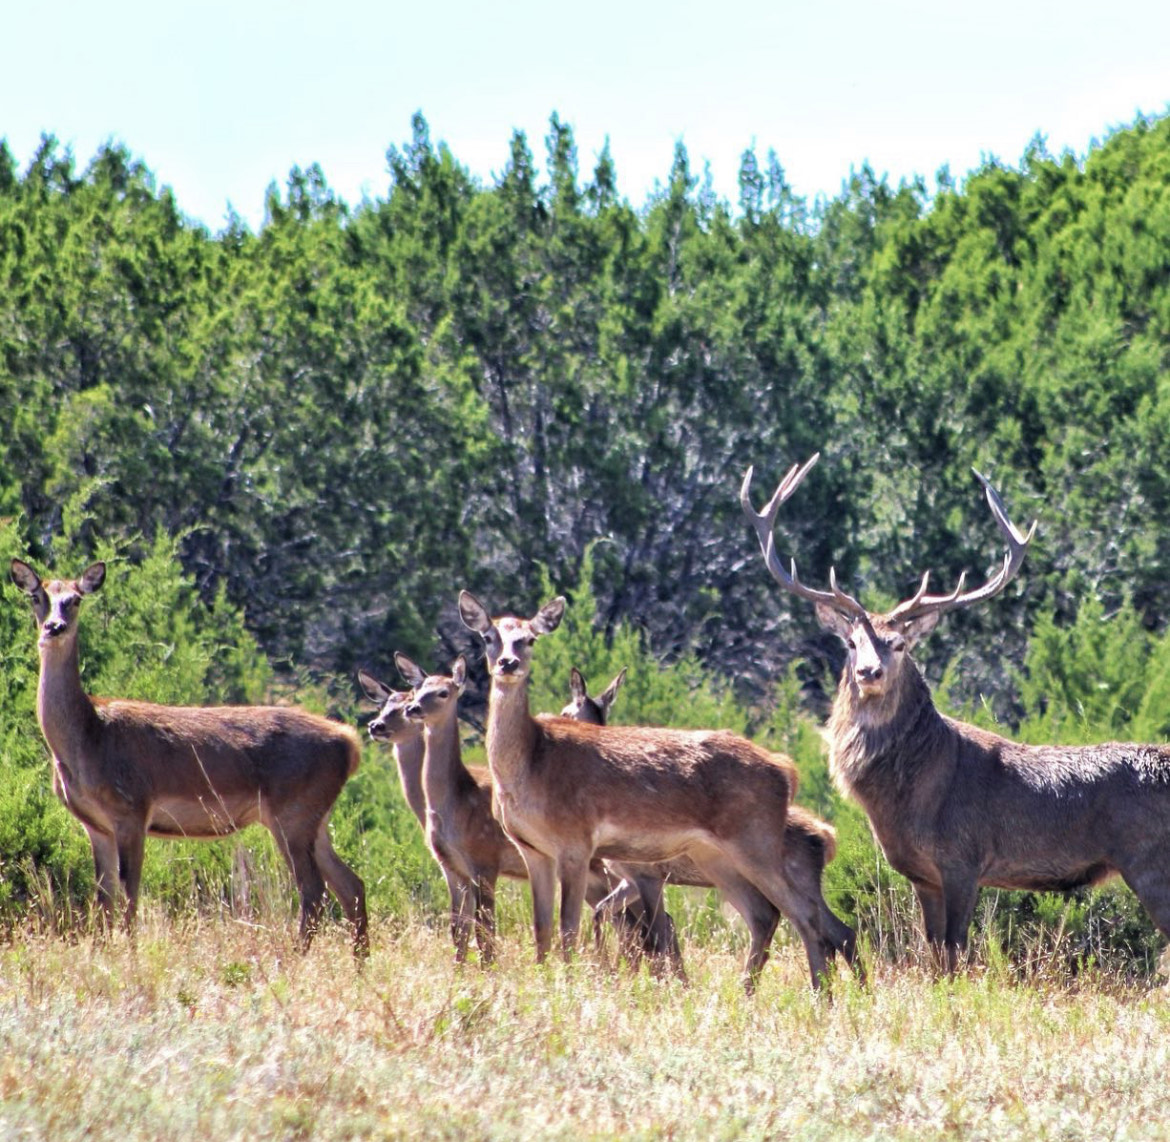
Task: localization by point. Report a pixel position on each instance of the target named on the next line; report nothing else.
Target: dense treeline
(351, 413)
(338, 421)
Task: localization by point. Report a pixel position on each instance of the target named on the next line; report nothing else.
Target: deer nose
(869, 673)
(53, 626)
(377, 727)
(508, 665)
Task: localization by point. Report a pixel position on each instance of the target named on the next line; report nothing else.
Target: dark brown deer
(955, 807)
(465, 839)
(127, 770)
(567, 792)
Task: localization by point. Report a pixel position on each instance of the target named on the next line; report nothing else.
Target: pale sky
(220, 98)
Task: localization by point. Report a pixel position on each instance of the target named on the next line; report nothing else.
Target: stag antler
(1017, 545)
(765, 521)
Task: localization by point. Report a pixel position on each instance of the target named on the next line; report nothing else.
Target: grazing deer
(460, 818)
(567, 792)
(955, 807)
(129, 769)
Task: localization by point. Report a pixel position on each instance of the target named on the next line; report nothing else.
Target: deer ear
(473, 613)
(606, 698)
(459, 673)
(409, 670)
(918, 628)
(376, 691)
(25, 577)
(834, 621)
(92, 578)
(548, 618)
(577, 689)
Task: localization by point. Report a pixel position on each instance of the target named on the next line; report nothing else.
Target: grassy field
(210, 1028)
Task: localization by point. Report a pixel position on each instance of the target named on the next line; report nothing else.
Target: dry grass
(214, 1029)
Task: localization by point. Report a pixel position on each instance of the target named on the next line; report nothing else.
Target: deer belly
(200, 818)
(613, 842)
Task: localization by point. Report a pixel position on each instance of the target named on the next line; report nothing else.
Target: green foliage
(1085, 680)
(679, 694)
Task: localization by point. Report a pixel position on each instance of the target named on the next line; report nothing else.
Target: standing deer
(955, 807)
(567, 792)
(453, 804)
(809, 845)
(129, 769)
(391, 725)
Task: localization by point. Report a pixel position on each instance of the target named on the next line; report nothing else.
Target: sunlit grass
(221, 1029)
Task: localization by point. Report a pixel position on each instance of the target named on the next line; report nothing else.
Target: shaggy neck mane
(892, 732)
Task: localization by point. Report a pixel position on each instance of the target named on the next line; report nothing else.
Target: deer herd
(610, 815)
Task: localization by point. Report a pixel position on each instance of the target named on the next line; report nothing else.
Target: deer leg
(802, 912)
(756, 909)
(310, 887)
(105, 868)
(485, 918)
(934, 921)
(347, 886)
(573, 870)
(960, 892)
(542, 877)
(622, 908)
(804, 864)
(131, 849)
(1149, 885)
(661, 938)
(462, 911)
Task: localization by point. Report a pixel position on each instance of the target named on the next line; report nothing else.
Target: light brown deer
(392, 726)
(460, 821)
(567, 792)
(128, 770)
(809, 845)
(955, 807)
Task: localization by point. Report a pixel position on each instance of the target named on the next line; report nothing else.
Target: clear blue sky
(220, 98)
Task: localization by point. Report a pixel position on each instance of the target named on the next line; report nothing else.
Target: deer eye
(897, 645)
(851, 643)
(442, 693)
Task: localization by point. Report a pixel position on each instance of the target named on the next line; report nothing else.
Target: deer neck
(885, 739)
(511, 734)
(409, 757)
(443, 768)
(65, 712)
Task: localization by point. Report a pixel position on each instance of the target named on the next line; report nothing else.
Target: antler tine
(765, 521)
(1017, 546)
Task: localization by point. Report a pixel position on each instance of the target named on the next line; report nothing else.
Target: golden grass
(206, 1028)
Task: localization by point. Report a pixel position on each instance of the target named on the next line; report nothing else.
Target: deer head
(877, 644)
(509, 640)
(582, 707)
(56, 603)
(390, 724)
(435, 694)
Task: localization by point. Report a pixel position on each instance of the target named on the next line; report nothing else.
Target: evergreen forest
(294, 447)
